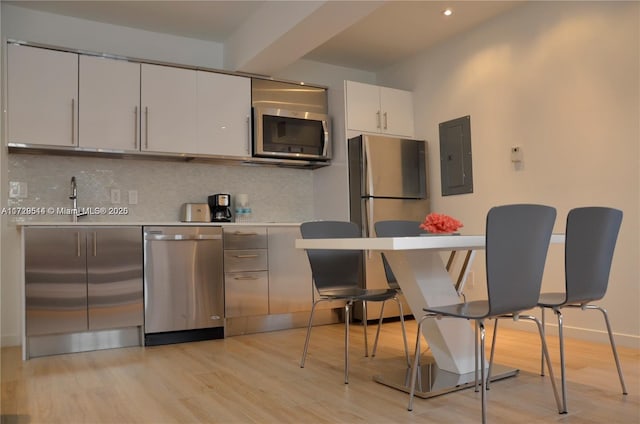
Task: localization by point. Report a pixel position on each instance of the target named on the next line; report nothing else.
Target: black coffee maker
(220, 205)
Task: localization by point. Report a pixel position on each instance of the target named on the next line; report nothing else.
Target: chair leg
(404, 332)
(364, 324)
(563, 379)
(346, 341)
(483, 393)
(375, 342)
(414, 366)
(306, 342)
(543, 332)
(493, 348)
(545, 352)
(476, 358)
(613, 344)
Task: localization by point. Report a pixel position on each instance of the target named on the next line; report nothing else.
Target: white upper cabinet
(169, 114)
(109, 104)
(224, 105)
(42, 100)
(397, 111)
(375, 109)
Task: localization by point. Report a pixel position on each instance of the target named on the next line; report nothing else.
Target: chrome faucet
(74, 198)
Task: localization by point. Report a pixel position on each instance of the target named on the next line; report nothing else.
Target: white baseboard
(10, 340)
(587, 334)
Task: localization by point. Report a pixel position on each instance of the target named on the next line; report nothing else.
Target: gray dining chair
(517, 241)
(337, 275)
(396, 228)
(591, 236)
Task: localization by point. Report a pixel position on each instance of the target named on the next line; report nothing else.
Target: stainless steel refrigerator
(387, 180)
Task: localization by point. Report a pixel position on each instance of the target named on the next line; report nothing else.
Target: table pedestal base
(432, 381)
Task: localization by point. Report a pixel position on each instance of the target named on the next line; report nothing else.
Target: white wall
(62, 31)
(561, 80)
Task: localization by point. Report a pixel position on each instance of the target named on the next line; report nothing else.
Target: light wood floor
(257, 379)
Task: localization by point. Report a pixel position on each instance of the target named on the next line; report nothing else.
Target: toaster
(195, 212)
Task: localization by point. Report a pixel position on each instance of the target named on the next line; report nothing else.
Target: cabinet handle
(77, 244)
(146, 127)
(135, 127)
(245, 278)
(73, 122)
(95, 243)
(240, 233)
(378, 119)
(385, 120)
(245, 256)
(248, 135)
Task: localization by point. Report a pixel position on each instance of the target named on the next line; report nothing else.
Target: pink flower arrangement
(440, 223)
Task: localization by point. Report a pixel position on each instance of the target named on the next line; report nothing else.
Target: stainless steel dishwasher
(183, 284)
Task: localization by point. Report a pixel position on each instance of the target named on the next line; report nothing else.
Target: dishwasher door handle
(182, 237)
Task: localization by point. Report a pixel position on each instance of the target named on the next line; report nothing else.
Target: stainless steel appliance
(83, 288)
(291, 134)
(195, 212)
(387, 180)
(290, 121)
(183, 282)
(220, 205)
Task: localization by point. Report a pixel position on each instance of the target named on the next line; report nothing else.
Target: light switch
(516, 154)
(133, 197)
(115, 195)
(17, 190)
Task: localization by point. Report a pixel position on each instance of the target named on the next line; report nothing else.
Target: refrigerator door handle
(368, 210)
(367, 175)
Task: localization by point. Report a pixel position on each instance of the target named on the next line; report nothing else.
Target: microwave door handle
(325, 128)
(248, 135)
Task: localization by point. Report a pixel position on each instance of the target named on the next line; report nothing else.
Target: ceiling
(387, 32)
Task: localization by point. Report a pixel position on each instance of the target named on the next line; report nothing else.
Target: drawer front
(246, 294)
(245, 260)
(245, 238)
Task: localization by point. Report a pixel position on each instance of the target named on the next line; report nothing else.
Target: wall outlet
(17, 190)
(133, 197)
(115, 195)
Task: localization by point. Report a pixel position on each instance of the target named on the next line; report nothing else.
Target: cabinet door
(246, 293)
(168, 99)
(363, 106)
(397, 112)
(55, 281)
(290, 283)
(224, 105)
(42, 96)
(109, 104)
(114, 276)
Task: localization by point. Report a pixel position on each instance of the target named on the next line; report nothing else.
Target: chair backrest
(591, 237)
(396, 228)
(516, 250)
(333, 268)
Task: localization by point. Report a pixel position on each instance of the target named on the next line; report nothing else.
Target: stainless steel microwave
(291, 134)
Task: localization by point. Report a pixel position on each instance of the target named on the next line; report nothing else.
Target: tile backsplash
(275, 194)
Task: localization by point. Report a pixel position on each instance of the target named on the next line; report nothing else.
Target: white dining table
(420, 271)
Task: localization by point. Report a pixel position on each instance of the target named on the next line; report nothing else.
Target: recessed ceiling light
(447, 12)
